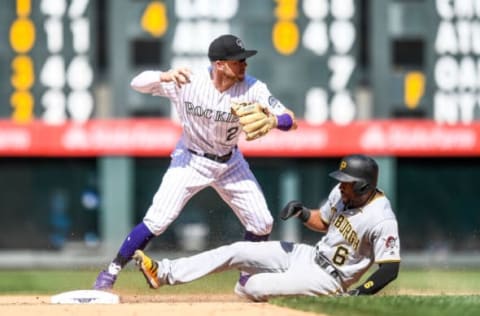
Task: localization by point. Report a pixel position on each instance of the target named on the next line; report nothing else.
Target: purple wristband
(284, 122)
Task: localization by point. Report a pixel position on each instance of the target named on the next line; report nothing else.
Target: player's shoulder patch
(275, 104)
(392, 245)
(391, 242)
(272, 101)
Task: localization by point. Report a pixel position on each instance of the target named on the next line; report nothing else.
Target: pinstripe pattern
(208, 127)
(205, 112)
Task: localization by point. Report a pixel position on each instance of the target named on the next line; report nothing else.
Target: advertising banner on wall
(157, 137)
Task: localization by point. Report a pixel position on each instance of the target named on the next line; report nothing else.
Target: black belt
(213, 157)
(327, 266)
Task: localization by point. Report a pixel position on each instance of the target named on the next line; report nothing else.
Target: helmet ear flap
(361, 187)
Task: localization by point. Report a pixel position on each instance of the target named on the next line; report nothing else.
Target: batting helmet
(360, 169)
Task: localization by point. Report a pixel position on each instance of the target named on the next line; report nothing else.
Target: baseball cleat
(104, 281)
(239, 290)
(149, 268)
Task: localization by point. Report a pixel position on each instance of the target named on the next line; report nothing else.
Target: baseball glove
(255, 120)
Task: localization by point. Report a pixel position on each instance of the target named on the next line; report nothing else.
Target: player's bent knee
(253, 290)
(268, 227)
(265, 228)
(156, 228)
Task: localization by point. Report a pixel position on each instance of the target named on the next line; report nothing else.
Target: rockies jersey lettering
(218, 116)
(225, 117)
(205, 112)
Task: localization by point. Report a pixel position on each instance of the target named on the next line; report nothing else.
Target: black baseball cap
(228, 47)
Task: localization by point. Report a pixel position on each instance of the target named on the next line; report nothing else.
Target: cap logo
(343, 165)
(240, 44)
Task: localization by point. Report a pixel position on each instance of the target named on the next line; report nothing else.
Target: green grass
(403, 297)
(387, 305)
(130, 281)
(421, 282)
(466, 280)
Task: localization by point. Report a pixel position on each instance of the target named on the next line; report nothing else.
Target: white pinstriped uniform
(355, 239)
(208, 127)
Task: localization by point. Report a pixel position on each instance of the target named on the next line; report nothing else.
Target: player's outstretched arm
(148, 81)
(315, 222)
(386, 273)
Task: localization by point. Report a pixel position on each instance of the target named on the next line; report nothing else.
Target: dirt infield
(191, 305)
(172, 305)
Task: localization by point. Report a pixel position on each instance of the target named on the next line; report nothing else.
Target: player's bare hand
(180, 76)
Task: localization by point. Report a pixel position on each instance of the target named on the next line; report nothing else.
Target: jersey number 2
(231, 133)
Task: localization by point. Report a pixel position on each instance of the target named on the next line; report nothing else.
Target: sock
(114, 268)
(252, 237)
(137, 239)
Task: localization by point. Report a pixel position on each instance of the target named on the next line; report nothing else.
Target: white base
(85, 297)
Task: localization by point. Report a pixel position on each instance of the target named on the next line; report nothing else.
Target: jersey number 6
(340, 256)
